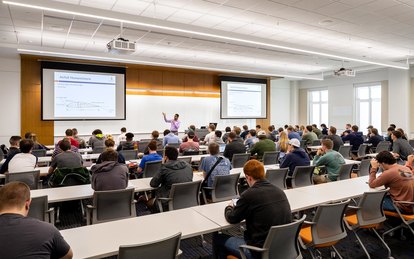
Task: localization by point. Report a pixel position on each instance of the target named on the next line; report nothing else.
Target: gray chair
(277, 177)
(302, 176)
(407, 220)
(31, 178)
(167, 248)
(151, 168)
(39, 152)
(270, 157)
(142, 145)
(191, 153)
(224, 188)
(129, 154)
(98, 150)
(345, 151)
(364, 167)
(368, 214)
(303, 143)
(383, 146)
(39, 209)
(411, 142)
(326, 228)
(186, 159)
(345, 171)
(182, 195)
(239, 160)
(281, 242)
(111, 205)
(362, 152)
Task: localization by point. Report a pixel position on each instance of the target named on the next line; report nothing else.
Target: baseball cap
(294, 142)
(261, 133)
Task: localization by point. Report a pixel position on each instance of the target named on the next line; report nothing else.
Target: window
(318, 107)
(368, 106)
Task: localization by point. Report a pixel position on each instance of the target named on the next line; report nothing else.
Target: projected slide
(84, 95)
(244, 100)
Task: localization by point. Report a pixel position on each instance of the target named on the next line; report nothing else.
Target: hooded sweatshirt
(355, 139)
(109, 175)
(298, 157)
(173, 171)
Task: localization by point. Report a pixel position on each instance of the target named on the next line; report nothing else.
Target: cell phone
(235, 201)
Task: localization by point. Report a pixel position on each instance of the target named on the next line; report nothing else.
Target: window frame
(370, 100)
(320, 102)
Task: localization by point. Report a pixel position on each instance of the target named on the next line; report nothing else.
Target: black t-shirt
(25, 237)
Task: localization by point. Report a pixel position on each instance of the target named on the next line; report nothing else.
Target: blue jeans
(387, 204)
(224, 245)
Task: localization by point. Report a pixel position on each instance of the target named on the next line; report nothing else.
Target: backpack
(69, 176)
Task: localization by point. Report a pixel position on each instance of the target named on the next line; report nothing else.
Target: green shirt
(262, 146)
(332, 160)
(309, 137)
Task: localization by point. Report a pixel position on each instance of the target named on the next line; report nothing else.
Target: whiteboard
(144, 114)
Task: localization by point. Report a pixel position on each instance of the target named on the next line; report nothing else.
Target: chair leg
(311, 251)
(383, 242)
(336, 252)
(362, 245)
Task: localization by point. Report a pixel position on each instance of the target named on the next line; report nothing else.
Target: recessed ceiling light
(56, 28)
(325, 22)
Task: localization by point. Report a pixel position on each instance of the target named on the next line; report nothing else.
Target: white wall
(279, 101)
(9, 94)
(399, 98)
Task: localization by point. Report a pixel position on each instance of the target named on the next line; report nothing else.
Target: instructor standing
(175, 123)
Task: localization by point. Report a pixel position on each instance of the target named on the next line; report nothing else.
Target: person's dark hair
(245, 127)
(332, 129)
(228, 129)
(401, 130)
(27, 135)
(374, 131)
(393, 125)
(171, 153)
(218, 133)
(96, 132)
(69, 132)
(166, 132)
(152, 145)
(232, 135)
(258, 126)
(212, 127)
(355, 128)
(191, 127)
(14, 195)
(327, 143)
(237, 130)
(323, 125)
(309, 128)
(26, 145)
(271, 128)
(14, 140)
(386, 157)
(75, 131)
(213, 148)
(397, 133)
(286, 126)
(315, 126)
(390, 129)
(190, 134)
(109, 155)
(123, 129)
(348, 125)
(252, 132)
(254, 169)
(64, 144)
(129, 136)
(109, 143)
(290, 128)
(155, 134)
(280, 129)
(177, 115)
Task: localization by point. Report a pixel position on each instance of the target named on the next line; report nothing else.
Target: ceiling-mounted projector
(121, 45)
(344, 72)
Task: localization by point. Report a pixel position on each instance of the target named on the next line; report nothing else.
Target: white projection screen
(243, 98)
(82, 92)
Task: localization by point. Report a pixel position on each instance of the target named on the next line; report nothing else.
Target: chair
(362, 152)
(281, 242)
(39, 209)
(364, 167)
(411, 141)
(270, 157)
(129, 154)
(190, 153)
(407, 220)
(39, 152)
(345, 151)
(151, 168)
(166, 248)
(326, 229)
(142, 145)
(186, 159)
(111, 205)
(302, 176)
(98, 150)
(182, 195)
(277, 177)
(383, 146)
(345, 171)
(368, 214)
(239, 160)
(316, 142)
(31, 178)
(69, 176)
(303, 144)
(224, 188)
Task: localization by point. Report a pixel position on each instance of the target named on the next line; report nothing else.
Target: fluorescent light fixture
(165, 64)
(46, 6)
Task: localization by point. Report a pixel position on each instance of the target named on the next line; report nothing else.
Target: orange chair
(406, 219)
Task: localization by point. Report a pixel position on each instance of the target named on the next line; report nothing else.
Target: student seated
(110, 174)
(128, 144)
(331, 159)
(66, 159)
(110, 145)
(13, 150)
(190, 144)
(23, 161)
(152, 156)
(223, 168)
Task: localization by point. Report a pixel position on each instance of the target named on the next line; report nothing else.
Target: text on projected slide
(244, 100)
(86, 95)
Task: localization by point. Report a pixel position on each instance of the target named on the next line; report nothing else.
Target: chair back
(31, 178)
(316, 142)
(345, 171)
(302, 176)
(362, 150)
(98, 150)
(364, 167)
(345, 151)
(282, 241)
(39, 209)
(165, 248)
(225, 187)
(142, 145)
(129, 154)
(239, 160)
(329, 225)
(190, 153)
(185, 159)
(370, 208)
(112, 205)
(39, 152)
(184, 195)
(383, 146)
(151, 168)
(277, 177)
(303, 143)
(270, 157)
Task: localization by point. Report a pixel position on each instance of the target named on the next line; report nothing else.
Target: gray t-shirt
(402, 147)
(67, 159)
(25, 237)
